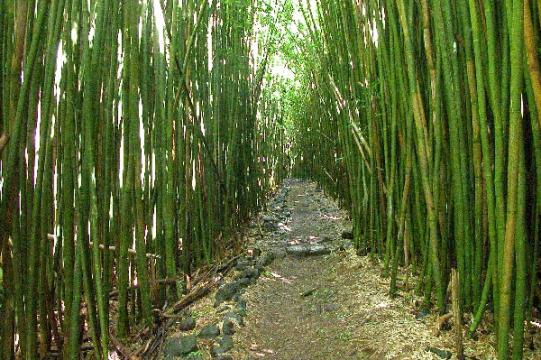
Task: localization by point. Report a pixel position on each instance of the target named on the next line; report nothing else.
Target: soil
(333, 306)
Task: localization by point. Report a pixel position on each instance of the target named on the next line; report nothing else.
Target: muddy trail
(309, 296)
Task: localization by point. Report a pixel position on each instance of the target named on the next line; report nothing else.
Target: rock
(266, 259)
(226, 292)
(234, 317)
(307, 250)
(270, 227)
(362, 251)
(224, 345)
(250, 273)
(239, 295)
(346, 234)
(245, 282)
(443, 354)
(180, 345)
(242, 264)
(346, 245)
(227, 343)
(424, 312)
(187, 324)
(260, 268)
(279, 253)
(268, 218)
(228, 327)
(309, 292)
(209, 332)
(242, 307)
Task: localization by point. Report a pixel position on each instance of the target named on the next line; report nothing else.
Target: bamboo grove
(135, 141)
(423, 117)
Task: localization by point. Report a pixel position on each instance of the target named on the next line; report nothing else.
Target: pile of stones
(231, 306)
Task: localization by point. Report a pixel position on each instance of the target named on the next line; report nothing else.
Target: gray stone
(279, 253)
(309, 292)
(244, 282)
(187, 324)
(180, 345)
(209, 332)
(242, 307)
(224, 345)
(242, 264)
(266, 259)
(363, 251)
(346, 245)
(229, 327)
(250, 273)
(226, 292)
(444, 354)
(268, 218)
(307, 250)
(234, 317)
(270, 227)
(424, 312)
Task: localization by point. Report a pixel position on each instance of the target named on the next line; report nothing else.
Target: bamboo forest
(276, 179)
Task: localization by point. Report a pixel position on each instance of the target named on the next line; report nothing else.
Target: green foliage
(420, 137)
(154, 145)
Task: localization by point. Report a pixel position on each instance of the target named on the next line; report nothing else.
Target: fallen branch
(197, 293)
(202, 285)
(121, 349)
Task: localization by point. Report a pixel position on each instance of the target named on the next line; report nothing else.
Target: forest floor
(330, 305)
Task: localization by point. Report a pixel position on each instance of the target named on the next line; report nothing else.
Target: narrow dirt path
(331, 306)
(296, 311)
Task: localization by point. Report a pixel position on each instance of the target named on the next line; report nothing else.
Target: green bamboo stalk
(513, 171)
